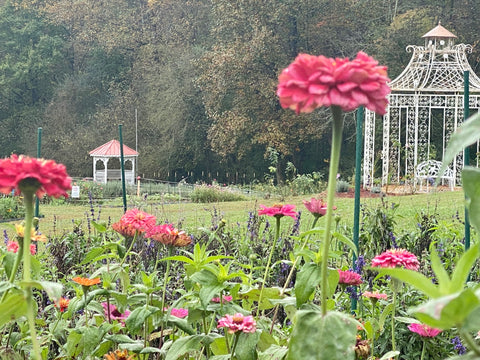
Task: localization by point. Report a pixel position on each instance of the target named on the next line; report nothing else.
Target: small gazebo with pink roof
(108, 151)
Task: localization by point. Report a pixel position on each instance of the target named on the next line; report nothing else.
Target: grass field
(57, 219)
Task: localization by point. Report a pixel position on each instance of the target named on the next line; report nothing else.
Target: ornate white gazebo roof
(429, 88)
(110, 150)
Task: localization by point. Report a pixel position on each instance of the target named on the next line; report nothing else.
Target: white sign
(75, 191)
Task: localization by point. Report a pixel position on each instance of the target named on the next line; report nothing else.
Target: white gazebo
(108, 151)
(425, 107)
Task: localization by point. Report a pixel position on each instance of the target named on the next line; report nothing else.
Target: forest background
(194, 80)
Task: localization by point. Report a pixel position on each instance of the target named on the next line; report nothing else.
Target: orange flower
(118, 355)
(62, 304)
(34, 235)
(167, 234)
(85, 281)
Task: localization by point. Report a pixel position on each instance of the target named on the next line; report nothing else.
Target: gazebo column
(105, 177)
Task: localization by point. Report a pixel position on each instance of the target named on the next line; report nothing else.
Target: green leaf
(307, 280)
(390, 355)
(99, 227)
(414, 278)
(137, 317)
(74, 344)
(54, 290)
(463, 267)
(471, 186)
(383, 316)
(8, 261)
(12, 308)
(444, 283)
(329, 337)
(184, 345)
(274, 352)
(332, 281)
(346, 241)
(466, 134)
(92, 255)
(246, 347)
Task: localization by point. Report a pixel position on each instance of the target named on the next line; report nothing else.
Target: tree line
(193, 80)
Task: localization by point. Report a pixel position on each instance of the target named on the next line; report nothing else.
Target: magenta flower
(278, 210)
(350, 278)
(315, 81)
(114, 313)
(317, 207)
(179, 313)
(237, 323)
(424, 330)
(134, 221)
(396, 258)
(225, 298)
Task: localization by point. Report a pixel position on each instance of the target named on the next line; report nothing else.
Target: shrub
(213, 193)
(342, 186)
(11, 208)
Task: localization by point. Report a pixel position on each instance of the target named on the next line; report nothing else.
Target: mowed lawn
(59, 219)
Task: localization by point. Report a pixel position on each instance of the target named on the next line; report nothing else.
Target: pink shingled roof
(112, 148)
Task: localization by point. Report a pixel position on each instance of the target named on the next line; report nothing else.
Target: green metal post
(358, 169)
(466, 151)
(39, 151)
(122, 166)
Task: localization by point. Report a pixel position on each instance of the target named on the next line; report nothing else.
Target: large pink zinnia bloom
(396, 258)
(134, 221)
(317, 207)
(424, 330)
(178, 312)
(315, 81)
(114, 313)
(45, 176)
(348, 277)
(238, 322)
(278, 210)
(375, 295)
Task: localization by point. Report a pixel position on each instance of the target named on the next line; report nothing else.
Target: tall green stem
(267, 268)
(28, 202)
(337, 130)
(393, 320)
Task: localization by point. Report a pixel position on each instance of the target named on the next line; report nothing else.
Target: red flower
(134, 221)
(278, 210)
(375, 295)
(396, 258)
(424, 330)
(167, 234)
(315, 81)
(44, 176)
(349, 278)
(238, 322)
(62, 304)
(317, 207)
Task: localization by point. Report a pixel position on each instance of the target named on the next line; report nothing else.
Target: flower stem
(27, 277)
(470, 342)
(267, 268)
(165, 282)
(423, 351)
(337, 130)
(393, 319)
(237, 336)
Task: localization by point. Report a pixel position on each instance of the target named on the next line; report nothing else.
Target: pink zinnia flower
(114, 313)
(317, 207)
(226, 298)
(348, 277)
(375, 295)
(167, 234)
(238, 322)
(180, 312)
(278, 210)
(396, 258)
(134, 221)
(12, 246)
(45, 176)
(424, 330)
(315, 81)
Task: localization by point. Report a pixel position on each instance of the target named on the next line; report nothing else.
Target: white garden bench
(428, 171)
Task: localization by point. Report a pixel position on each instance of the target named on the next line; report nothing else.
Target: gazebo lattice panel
(426, 104)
